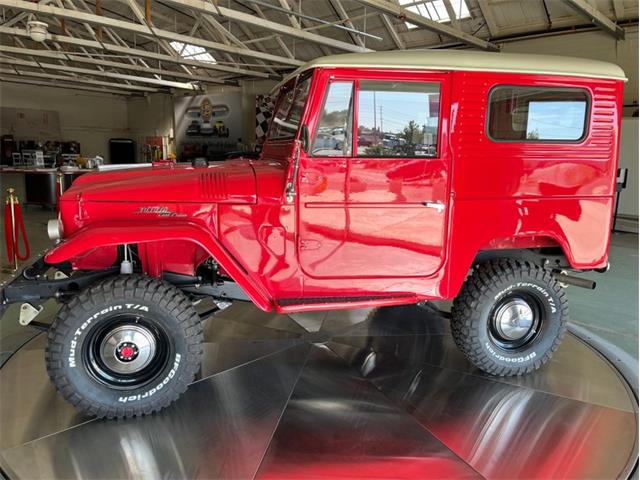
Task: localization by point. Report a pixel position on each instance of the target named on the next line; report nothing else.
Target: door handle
(439, 206)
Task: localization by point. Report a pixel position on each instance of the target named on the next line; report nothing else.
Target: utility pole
(381, 128)
(375, 123)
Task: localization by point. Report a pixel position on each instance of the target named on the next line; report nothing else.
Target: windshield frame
(291, 85)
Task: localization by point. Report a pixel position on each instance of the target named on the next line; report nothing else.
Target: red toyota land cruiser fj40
(386, 179)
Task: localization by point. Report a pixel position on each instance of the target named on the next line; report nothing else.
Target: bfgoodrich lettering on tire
(126, 346)
(509, 317)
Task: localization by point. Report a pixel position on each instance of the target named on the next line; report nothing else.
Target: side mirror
(304, 138)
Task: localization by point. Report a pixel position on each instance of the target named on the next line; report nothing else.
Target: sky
(398, 108)
(556, 120)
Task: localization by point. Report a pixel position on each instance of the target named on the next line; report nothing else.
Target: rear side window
(530, 114)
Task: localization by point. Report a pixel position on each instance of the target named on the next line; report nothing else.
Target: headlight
(54, 229)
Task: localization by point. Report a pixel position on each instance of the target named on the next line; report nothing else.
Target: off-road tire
(494, 282)
(163, 307)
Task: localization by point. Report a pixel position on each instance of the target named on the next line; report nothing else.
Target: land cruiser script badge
(160, 212)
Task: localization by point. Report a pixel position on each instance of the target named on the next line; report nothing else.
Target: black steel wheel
(509, 317)
(126, 346)
(515, 321)
(127, 351)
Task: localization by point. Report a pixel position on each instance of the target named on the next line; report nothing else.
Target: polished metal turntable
(357, 394)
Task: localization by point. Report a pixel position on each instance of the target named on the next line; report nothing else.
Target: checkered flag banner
(264, 110)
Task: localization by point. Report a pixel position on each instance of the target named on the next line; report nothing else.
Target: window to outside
(436, 10)
(290, 105)
(537, 113)
(398, 119)
(192, 52)
(334, 131)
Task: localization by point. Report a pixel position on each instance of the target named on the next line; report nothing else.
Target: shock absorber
(126, 267)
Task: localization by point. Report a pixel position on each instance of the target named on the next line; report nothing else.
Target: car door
(374, 205)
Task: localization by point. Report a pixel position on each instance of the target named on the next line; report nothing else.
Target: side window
(335, 127)
(529, 114)
(398, 119)
(293, 97)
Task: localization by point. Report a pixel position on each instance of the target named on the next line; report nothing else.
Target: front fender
(104, 234)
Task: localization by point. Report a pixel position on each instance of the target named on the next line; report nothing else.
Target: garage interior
(342, 394)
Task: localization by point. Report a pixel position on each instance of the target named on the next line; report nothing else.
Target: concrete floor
(611, 311)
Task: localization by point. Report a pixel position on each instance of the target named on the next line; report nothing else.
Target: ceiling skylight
(435, 10)
(192, 52)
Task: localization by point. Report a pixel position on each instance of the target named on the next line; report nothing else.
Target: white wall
(89, 118)
(93, 118)
(150, 116)
(629, 159)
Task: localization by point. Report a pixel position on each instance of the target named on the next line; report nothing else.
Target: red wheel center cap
(127, 351)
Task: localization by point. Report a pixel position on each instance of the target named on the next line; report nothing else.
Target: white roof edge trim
(496, 70)
(470, 61)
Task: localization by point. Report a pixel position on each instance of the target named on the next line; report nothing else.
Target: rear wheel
(509, 317)
(124, 347)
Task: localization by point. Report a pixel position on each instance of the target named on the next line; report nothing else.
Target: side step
(306, 304)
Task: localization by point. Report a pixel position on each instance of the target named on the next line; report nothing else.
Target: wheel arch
(550, 256)
(543, 250)
(111, 234)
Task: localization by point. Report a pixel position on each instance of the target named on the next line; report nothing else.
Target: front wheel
(509, 317)
(126, 346)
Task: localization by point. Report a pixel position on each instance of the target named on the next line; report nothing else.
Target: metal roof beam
(453, 15)
(618, 9)
(342, 15)
(142, 18)
(597, 18)
(293, 20)
(144, 29)
(216, 34)
(215, 9)
(70, 86)
(99, 73)
(278, 39)
(223, 31)
(101, 30)
(489, 18)
(70, 56)
(259, 45)
(399, 12)
(81, 81)
(216, 31)
(395, 36)
(16, 19)
(109, 47)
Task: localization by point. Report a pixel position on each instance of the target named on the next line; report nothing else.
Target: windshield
(290, 105)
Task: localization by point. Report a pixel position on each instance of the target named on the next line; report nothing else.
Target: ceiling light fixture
(37, 30)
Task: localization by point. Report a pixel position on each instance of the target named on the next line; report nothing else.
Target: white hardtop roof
(472, 61)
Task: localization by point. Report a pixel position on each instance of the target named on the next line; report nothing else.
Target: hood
(232, 181)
